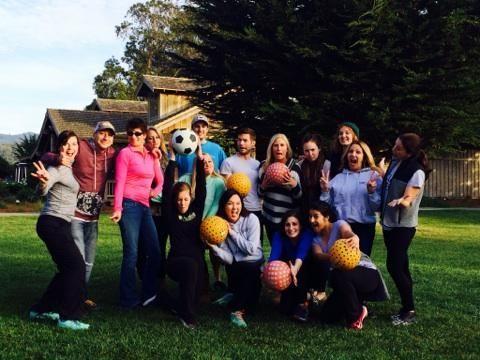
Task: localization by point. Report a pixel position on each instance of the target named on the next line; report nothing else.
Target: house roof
(152, 83)
(83, 121)
(133, 106)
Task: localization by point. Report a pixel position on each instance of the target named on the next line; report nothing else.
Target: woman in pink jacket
(135, 170)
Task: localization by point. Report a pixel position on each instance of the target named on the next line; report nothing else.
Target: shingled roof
(152, 83)
(84, 121)
(132, 106)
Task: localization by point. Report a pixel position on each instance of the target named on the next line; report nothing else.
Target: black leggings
(190, 274)
(66, 292)
(397, 241)
(350, 288)
(245, 284)
(292, 296)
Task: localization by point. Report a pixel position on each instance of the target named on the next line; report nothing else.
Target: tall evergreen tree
(292, 66)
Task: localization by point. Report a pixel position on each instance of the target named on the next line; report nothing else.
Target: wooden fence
(455, 177)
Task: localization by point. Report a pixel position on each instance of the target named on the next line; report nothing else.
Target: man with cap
(200, 127)
(92, 167)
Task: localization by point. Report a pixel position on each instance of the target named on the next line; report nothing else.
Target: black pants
(190, 274)
(366, 233)
(245, 284)
(319, 271)
(294, 295)
(161, 227)
(66, 292)
(350, 288)
(397, 241)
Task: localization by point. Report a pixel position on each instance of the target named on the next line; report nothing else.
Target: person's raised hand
(372, 183)
(41, 173)
(324, 181)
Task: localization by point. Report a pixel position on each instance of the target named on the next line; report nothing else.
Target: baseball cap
(104, 125)
(199, 117)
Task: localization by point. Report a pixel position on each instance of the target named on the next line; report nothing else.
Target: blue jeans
(85, 234)
(137, 221)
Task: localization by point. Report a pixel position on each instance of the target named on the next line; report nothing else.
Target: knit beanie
(352, 126)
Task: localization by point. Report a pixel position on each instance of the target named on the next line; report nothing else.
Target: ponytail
(412, 144)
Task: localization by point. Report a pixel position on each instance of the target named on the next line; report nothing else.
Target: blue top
(185, 162)
(284, 249)
(334, 236)
(349, 197)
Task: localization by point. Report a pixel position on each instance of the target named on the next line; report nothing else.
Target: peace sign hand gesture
(324, 182)
(41, 174)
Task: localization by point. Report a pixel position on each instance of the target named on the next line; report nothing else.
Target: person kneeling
(351, 288)
(242, 254)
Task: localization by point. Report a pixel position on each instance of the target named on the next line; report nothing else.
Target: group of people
(161, 195)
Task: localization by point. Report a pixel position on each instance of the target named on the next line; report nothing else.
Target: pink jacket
(134, 174)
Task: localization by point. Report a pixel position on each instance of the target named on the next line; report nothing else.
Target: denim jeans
(137, 222)
(85, 234)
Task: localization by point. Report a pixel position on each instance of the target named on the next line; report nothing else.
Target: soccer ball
(275, 173)
(344, 257)
(214, 230)
(240, 183)
(184, 141)
(277, 275)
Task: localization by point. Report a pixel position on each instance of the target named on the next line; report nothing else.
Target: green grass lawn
(445, 262)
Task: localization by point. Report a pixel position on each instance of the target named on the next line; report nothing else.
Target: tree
(293, 66)
(149, 30)
(25, 147)
(6, 169)
(114, 82)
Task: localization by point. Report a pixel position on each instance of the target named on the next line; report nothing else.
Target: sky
(50, 52)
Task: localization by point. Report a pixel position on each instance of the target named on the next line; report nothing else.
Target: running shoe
(358, 324)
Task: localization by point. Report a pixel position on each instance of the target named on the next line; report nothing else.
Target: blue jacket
(349, 197)
(283, 249)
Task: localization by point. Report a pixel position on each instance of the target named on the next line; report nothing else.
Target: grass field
(445, 261)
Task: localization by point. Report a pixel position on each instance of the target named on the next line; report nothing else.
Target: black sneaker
(301, 313)
(404, 318)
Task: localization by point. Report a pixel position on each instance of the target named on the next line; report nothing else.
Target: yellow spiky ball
(214, 230)
(240, 183)
(344, 257)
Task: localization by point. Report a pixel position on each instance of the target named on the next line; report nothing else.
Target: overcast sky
(50, 51)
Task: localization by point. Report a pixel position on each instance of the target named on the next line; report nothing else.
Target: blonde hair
(367, 161)
(193, 179)
(162, 147)
(269, 159)
(336, 146)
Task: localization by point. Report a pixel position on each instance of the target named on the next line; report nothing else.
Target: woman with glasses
(136, 169)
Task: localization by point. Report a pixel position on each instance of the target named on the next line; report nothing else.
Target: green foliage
(297, 66)
(149, 31)
(12, 191)
(25, 147)
(114, 82)
(443, 259)
(6, 169)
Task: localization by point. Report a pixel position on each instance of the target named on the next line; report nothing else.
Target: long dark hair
(413, 146)
(223, 201)
(291, 213)
(63, 138)
(325, 209)
(312, 171)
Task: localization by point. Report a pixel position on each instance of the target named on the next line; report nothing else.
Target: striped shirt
(277, 200)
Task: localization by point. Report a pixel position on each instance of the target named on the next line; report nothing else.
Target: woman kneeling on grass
(350, 287)
(242, 253)
(64, 298)
(292, 245)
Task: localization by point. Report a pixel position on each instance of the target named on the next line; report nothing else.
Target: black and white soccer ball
(184, 141)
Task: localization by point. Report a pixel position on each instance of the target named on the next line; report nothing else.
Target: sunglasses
(136, 133)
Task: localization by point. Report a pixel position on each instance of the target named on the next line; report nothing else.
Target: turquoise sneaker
(72, 325)
(53, 316)
(236, 318)
(224, 300)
